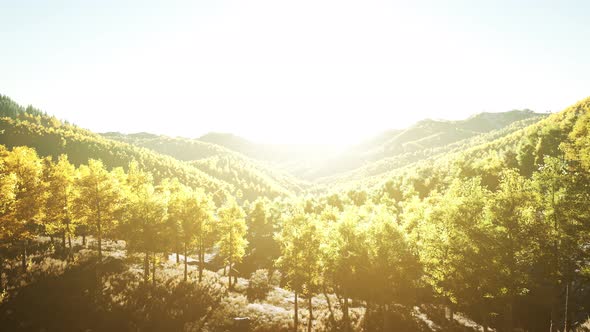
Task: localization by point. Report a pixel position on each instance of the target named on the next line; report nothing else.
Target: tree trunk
(185, 264)
(24, 255)
(345, 316)
(1, 271)
(99, 241)
(70, 245)
(154, 269)
(552, 325)
(310, 304)
(177, 257)
(84, 239)
(366, 316)
(296, 317)
(508, 319)
(386, 318)
(201, 263)
(63, 240)
(484, 320)
(146, 268)
(332, 320)
(450, 314)
(229, 276)
(567, 295)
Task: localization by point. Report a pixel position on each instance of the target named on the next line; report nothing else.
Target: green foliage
(263, 249)
(232, 233)
(50, 137)
(98, 199)
(58, 214)
(252, 178)
(144, 217)
(492, 225)
(26, 170)
(259, 285)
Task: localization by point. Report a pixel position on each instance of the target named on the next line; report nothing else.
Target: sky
(306, 71)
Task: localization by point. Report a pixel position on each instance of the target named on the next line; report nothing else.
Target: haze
(290, 72)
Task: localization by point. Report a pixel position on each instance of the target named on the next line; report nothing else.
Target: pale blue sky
(290, 71)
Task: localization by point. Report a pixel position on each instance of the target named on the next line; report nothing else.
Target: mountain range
(226, 162)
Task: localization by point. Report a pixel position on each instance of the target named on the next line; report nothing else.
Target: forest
(475, 225)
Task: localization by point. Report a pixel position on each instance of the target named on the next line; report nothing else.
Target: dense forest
(473, 225)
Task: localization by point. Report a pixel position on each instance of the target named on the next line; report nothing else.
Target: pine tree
(192, 212)
(144, 221)
(98, 199)
(232, 230)
(300, 241)
(58, 206)
(29, 196)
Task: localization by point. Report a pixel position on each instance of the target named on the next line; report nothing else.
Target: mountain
(418, 141)
(384, 152)
(373, 172)
(52, 137)
(523, 146)
(250, 176)
(296, 159)
(224, 161)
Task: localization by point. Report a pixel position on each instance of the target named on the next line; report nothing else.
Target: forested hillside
(51, 137)
(426, 138)
(487, 231)
(250, 176)
(384, 152)
(375, 172)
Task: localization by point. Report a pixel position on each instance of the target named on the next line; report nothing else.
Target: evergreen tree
(58, 207)
(232, 230)
(98, 199)
(29, 196)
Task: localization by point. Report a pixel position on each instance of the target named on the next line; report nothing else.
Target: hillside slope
(250, 176)
(556, 135)
(52, 137)
(390, 149)
(399, 147)
(372, 172)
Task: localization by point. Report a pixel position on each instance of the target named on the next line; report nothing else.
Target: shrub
(259, 285)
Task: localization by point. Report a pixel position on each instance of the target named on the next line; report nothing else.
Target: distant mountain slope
(50, 137)
(417, 141)
(177, 147)
(296, 159)
(371, 172)
(523, 149)
(230, 163)
(390, 149)
(251, 177)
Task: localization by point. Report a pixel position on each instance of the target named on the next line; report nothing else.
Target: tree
(58, 206)
(8, 183)
(300, 241)
(29, 196)
(192, 212)
(232, 229)
(515, 233)
(562, 198)
(263, 249)
(98, 199)
(453, 243)
(172, 230)
(394, 269)
(346, 256)
(145, 215)
(203, 213)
